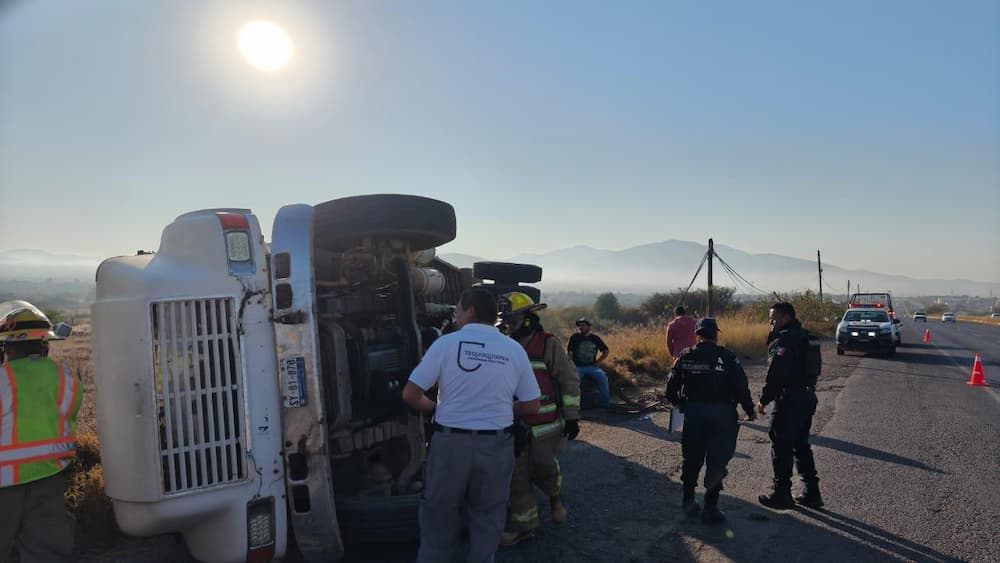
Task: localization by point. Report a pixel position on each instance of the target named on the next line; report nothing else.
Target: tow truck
(248, 393)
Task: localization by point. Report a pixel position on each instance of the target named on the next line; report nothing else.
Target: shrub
(607, 306)
(661, 305)
(819, 317)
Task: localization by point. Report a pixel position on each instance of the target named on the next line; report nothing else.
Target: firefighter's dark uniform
(791, 387)
(707, 382)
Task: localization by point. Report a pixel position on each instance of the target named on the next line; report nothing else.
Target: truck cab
(249, 393)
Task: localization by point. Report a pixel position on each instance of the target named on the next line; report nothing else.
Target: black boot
(779, 499)
(712, 514)
(810, 497)
(688, 504)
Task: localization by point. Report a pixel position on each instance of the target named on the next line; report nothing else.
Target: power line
(733, 271)
(740, 285)
(701, 264)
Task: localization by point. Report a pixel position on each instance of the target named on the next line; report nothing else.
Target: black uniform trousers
(709, 438)
(789, 432)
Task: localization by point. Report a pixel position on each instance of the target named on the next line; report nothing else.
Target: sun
(265, 45)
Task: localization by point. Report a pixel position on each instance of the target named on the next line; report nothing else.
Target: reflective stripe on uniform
(34, 451)
(535, 364)
(571, 400)
(545, 429)
(544, 409)
(525, 517)
(559, 478)
(67, 399)
(7, 420)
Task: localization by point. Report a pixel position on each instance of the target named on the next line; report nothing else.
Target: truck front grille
(198, 377)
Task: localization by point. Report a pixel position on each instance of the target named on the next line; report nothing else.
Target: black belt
(450, 430)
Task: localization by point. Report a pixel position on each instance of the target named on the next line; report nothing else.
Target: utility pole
(848, 290)
(820, 266)
(711, 290)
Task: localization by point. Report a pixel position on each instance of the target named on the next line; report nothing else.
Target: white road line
(991, 390)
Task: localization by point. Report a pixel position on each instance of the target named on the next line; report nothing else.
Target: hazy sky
(870, 130)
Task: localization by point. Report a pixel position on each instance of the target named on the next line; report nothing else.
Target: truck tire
(892, 352)
(507, 272)
(379, 519)
(499, 289)
(840, 351)
(421, 222)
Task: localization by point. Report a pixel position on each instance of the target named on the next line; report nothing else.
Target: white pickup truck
(248, 394)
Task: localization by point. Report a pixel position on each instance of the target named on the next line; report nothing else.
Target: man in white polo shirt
(479, 372)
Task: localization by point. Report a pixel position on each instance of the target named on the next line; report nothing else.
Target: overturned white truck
(248, 394)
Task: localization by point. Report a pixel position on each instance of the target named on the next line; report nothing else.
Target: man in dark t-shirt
(587, 350)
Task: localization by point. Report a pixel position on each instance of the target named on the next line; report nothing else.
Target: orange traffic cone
(927, 335)
(978, 374)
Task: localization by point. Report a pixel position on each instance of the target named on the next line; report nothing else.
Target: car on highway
(868, 329)
(995, 316)
(948, 317)
(920, 316)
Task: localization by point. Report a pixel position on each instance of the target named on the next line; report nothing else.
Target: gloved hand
(572, 429)
(520, 439)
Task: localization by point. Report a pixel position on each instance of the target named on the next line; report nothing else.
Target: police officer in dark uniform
(707, 382)
(790, 384)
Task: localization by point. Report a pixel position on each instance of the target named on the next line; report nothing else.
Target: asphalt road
(907, 453)
(908, 456)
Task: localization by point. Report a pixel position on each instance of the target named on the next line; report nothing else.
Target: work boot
(512, 537)
(689, 505)
(810, 497)
(712, 514)
(558, 509)
(779, 499)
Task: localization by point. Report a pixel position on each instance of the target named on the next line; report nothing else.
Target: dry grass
(981, 320)
(85, 497)
(639, 353)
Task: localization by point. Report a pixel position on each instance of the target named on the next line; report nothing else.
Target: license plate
(293, 374)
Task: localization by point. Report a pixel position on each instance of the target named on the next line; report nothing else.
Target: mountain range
(35, 265)
(671, 264)
(659, 266)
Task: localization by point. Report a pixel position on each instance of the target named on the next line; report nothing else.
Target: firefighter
(558, 419)
(39, 399)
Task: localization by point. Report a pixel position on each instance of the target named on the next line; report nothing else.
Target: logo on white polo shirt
(472, 356)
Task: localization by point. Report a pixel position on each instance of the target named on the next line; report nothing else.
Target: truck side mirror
(62, 330)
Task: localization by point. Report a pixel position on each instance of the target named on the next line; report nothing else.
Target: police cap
(707, 327)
